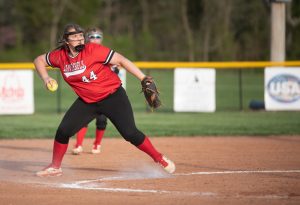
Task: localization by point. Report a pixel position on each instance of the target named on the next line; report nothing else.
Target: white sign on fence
(282, 88)
(16, 92)
(194, 90)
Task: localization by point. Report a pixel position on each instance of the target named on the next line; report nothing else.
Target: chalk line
(127, 190)
(238, 172)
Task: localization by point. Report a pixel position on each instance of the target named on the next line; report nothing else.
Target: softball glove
(150, 91)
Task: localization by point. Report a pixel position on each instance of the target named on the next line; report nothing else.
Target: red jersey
(88, 73)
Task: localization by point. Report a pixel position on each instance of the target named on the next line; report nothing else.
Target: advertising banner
(194, 90)
(16, 92)
(282, 88)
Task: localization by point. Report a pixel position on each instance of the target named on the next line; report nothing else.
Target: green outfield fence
(237, 83)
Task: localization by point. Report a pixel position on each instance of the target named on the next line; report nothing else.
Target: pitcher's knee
(63, 135)
(136, 138)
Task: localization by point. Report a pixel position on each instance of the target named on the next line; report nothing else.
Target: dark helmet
(67, 29)
(66, 33)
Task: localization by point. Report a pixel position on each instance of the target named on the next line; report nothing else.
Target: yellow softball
(52, 85)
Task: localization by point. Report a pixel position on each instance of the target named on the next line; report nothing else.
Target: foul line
(239, 172)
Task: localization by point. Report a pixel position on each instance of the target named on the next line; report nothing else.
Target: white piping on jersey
(111, 53)
(47, 59)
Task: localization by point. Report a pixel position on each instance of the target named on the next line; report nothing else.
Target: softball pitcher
(86, 68)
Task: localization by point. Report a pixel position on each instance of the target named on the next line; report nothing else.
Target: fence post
(241, 89)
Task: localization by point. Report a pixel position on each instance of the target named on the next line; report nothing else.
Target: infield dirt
(210, 170)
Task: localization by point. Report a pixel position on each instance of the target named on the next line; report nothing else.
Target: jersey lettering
(93, 76)
(84, 79)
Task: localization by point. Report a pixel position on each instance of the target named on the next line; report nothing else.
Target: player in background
(93, 35)
(86, 68)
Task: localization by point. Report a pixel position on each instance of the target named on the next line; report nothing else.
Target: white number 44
(93, 76)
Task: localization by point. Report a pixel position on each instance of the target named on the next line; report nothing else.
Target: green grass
(167, 124)
(227, 120)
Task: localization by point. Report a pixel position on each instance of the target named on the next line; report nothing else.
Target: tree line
(150, 30)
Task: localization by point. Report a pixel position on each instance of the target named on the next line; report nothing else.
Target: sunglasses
(95, 36)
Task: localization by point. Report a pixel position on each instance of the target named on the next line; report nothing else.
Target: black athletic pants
(101, 122)
(115, 107)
